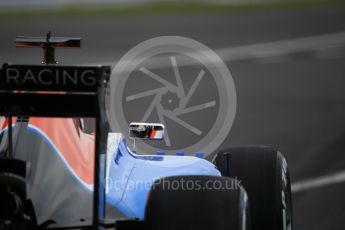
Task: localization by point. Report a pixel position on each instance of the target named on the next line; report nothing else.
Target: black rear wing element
(52, 91)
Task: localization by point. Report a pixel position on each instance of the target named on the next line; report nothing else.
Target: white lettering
(88, 79)
(12, 75)
(66, 76)
(41, 79)
(29, 76)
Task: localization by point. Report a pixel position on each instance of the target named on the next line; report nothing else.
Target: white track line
(280, 48)
(261, 50)
(336, 178)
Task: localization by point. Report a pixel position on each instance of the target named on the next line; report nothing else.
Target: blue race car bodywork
(130, 175)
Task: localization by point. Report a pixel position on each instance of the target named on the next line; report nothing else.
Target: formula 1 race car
(57, 172)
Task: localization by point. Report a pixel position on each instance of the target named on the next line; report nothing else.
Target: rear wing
(52, 91)
(60, 91)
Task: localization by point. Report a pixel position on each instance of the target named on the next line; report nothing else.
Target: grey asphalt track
(295, 102)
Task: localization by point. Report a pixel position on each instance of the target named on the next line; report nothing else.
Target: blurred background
(287, 59)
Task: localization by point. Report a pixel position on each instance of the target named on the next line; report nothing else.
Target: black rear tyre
(197, 202)
(265, 176)
(16, 212)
